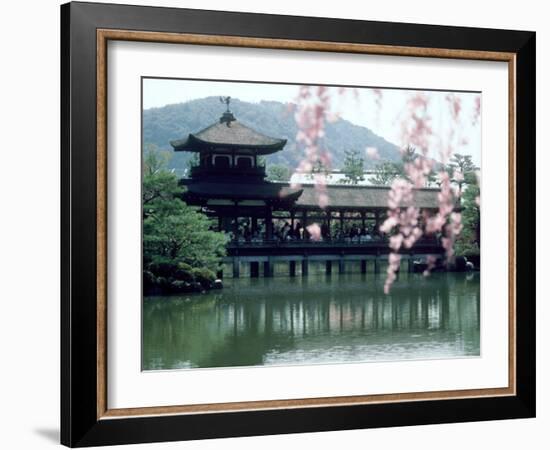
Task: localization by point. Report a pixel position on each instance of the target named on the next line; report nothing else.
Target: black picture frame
(80, 425)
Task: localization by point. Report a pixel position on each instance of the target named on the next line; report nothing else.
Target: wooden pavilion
(229, 183)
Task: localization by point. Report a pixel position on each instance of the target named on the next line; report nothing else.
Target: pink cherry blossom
(394, 260)
(311, 113)
(402, 225)
(314, 231)
(430, 260)
(477, 110)
(455, 105)
(372, 152)
(458, 175)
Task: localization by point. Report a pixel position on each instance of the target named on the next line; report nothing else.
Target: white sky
(360, 108)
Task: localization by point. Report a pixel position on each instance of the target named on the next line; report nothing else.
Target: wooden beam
(268, 223)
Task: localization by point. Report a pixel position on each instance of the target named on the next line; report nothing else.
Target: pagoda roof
(265, 191)
(229, 135)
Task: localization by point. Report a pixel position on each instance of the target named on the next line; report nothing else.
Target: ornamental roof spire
(227, 117)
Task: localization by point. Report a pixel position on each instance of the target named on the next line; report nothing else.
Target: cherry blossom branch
(403, 219)
(312, 108)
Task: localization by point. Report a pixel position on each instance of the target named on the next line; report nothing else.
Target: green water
(314, 320)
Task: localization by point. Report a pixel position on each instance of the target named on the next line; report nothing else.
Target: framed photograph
(278, 224)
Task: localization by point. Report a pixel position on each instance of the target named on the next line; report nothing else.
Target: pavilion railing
(326, 242)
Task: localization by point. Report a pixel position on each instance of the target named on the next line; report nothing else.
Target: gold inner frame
(104, 35)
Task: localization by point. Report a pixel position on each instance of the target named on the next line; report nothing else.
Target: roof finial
(226, 100)
(227, 117)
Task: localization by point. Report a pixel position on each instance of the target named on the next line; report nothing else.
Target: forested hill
(161, 125)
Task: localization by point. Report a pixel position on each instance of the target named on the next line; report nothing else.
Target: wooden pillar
(377, 264)
(376, 221)
(341, 221)
(363, 266)
(304, 218)
(227, 224)
(363, 213)
(236, 267)
(329, 216)
(410, 266)
(305, 266)
(268, 268)
(292, 219)
(398, 271)
(341, 265)
(220, 223)
(253, 225)
(254, 269)
(235, 224)
(292, 268)
(268, 223)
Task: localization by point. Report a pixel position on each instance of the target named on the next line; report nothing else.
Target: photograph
(293, 224)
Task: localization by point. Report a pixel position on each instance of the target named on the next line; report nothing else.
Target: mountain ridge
(272, 118)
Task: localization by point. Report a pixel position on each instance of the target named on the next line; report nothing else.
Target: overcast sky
(383, 115)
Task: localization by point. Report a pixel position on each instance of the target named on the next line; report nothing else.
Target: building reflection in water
(314, 319)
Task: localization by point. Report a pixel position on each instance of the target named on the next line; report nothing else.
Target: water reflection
(311, 320)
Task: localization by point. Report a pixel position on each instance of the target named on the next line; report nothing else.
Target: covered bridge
(269, 220)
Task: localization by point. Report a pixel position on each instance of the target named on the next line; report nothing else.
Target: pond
(317, 319)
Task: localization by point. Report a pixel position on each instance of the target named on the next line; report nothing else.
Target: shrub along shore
(166, 278)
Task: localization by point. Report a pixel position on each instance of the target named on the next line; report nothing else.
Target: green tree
(469, 240)
(278, 172)
(462, 171)
(174, 232)
(157, 183)
(320, 167)
(192, 162)
(385, 173)
(154, 159)
(408, 155)
(353, 168)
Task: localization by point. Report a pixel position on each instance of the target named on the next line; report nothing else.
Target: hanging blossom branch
(402, 222)
(477, 110)
(447, 221)
(314, 108)
(476, 117)
(312, 111)
(311, 114)
(404, 226)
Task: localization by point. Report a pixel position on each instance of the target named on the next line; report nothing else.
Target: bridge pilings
(236, 267)
(341, 265)
(344, 262)
(292, 268)
(305, 267)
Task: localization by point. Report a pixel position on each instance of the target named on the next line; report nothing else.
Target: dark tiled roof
(229, 135)
(363, 197)
(243, 191)
(352, 197)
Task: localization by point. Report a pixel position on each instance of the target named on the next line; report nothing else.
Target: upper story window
(221, 161)
(244, 161)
